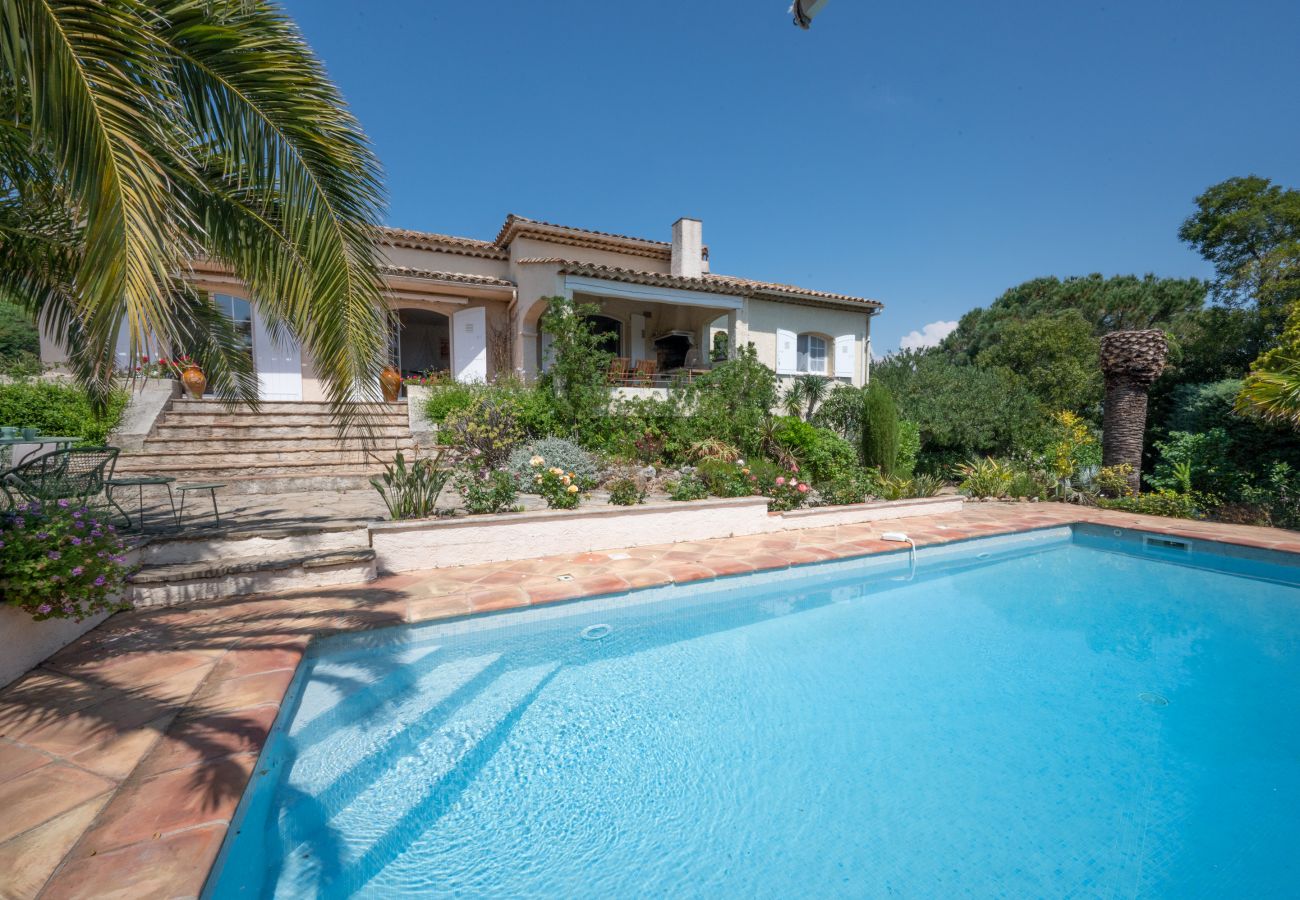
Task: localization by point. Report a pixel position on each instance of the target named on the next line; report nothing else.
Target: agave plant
(137, 136)
(985, 478)
(411, 492)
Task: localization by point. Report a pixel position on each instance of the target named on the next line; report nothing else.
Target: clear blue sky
(928, 154)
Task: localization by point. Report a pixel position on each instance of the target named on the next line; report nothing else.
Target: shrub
(853, 486)
(1196, 462)
(841, 412)
(895, 488)
(786, 491)
(60, 562)
(59, 408)
(727, 479)
(985, 478)
(1278, 493)
(1158, 503)
(821, 454)
(486, 490)
(925, 486)
(557, 452)
(909, 448)
(487, 429)
(1071, 445)
(731, 402)
(1030, 482)
(448, 397)
(713, 449)
(687, 486)
(879, 429)
(576, 375)
(411, 492)
(627, 491)
(559, 488)
(1113, 481)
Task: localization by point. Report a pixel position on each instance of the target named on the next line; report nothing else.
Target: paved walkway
(123, 757)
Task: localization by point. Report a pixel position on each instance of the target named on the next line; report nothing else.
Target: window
(811, 354)
(240, 314)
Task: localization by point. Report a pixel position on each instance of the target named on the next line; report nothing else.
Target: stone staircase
(216, 563)
(280, 448)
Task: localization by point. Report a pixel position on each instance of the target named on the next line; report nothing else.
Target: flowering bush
(627, 491)
(487, 430)
(558, 452)
(60, 562)
(786, 490)
(486, 490)
(560, 489)
(687, 487)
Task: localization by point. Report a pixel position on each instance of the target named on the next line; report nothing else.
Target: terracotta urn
(194, 380)
(390, 382)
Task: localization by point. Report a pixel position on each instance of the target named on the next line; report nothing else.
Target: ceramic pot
(390, 382)
(194, 380)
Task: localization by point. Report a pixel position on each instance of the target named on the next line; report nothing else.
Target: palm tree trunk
(1124, 421)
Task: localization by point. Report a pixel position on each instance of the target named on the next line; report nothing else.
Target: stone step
(278, 420)
(168, 585)
(242, 541)
(241, 431)
(206, 468)
(239, 444)
(186, 406)
(202, 458)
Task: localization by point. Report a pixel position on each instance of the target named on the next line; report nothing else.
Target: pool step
(406, 783)
(184, 582)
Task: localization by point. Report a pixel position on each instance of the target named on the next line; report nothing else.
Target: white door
(469, 344)
(278, 363)
(636, 340)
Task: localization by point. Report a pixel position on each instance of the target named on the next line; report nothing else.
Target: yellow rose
(573, 489)
(556, 470)
(538, 479)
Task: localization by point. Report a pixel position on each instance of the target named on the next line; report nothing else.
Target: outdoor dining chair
(76, 474)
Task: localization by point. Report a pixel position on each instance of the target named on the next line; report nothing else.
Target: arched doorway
(423, 342)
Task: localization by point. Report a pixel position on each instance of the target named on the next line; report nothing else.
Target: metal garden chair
(76, 474)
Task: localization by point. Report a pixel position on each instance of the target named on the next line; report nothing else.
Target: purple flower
(77, 570)
(44, 609)
(79, 524)
(77, 514)
(53, 554)
(63, 504)
(19, 522)
(76, 542)
(99, 581)
(42, 535)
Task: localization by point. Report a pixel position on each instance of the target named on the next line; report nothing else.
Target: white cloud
(928, 336)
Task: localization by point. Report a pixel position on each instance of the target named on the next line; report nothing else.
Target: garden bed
(409, 546)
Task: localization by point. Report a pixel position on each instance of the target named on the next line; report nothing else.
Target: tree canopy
(138, 136)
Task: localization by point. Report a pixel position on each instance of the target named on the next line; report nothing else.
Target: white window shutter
(787, 357)
(469, 344)
(845, 345)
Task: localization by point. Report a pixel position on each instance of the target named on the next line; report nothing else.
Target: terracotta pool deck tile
(28, 860)
(428, 608)
(682, 572)
(645, 578)
(195, 740)
(493, 600)
(253, 660)
(15, 760)
(233, 694)
(723, 567)
(36, 797)
(145, 808)
(117, 751)
(172, 866)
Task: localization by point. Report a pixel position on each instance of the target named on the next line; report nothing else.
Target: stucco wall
(526, 247)
(437, 261)
(766, 316)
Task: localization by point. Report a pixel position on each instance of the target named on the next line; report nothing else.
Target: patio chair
(644, 373)
(76, 474)
(618, 367)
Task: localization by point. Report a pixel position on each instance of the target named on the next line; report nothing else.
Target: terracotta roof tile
(428, 240)
(718, 284)
(456, 277)
(515, 225)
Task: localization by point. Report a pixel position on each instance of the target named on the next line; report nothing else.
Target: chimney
(688, 248)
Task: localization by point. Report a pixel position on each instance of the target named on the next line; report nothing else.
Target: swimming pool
(1080, 711)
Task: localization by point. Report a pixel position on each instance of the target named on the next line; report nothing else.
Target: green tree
(575, 375)
(732, 402)
(879, 429)
(1120, 303)
(18, 336)
(1056, 354)
(961, 409)
(136, 136)
(1249, 228)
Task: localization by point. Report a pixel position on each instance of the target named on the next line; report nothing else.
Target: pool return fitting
(899, 537)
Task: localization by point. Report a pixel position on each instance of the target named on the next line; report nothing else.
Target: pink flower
(803, 488)
(780, 480)
(794, 467)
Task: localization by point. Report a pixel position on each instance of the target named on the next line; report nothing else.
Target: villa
(471, 308)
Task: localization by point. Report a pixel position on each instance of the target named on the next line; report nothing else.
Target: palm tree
(805, 394)
(139, 135)
(1131, 362)
(1272, 390)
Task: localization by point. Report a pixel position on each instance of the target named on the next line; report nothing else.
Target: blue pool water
(1082, 714)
